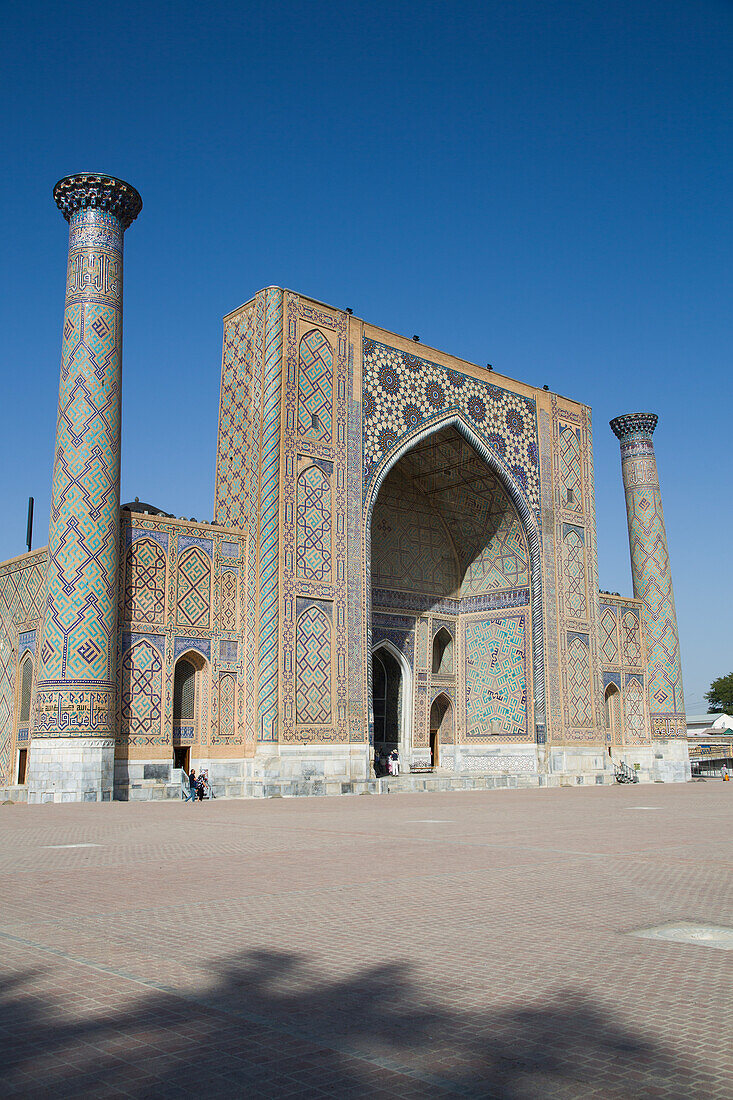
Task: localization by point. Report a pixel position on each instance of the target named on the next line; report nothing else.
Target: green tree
(720, 696)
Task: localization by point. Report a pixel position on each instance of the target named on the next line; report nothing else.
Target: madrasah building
(402, 554)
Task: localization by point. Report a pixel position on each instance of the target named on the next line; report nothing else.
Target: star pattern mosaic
(404, 392)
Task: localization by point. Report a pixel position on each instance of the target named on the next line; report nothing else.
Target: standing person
(724, 773)
(191, 786)
(395, 756)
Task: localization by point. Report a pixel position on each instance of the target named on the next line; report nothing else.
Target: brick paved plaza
(412, 945)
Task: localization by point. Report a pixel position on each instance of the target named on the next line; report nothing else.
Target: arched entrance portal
(454, 570)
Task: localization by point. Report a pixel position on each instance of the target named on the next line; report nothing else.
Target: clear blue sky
(541, 184)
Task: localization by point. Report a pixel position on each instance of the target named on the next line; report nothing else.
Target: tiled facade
(379, 506)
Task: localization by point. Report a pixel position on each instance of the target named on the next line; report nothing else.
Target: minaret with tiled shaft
(650, 571)
(72, 748)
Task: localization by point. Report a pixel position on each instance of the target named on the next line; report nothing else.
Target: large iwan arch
(443, 432)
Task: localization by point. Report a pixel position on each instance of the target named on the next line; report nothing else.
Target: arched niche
(443, 664)
(189, 697)
(612, 703)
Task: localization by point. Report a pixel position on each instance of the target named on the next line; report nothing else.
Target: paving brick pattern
(417, 945)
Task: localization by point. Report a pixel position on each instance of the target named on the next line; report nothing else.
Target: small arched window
(26, 686)
(443, 653)
(184, 691)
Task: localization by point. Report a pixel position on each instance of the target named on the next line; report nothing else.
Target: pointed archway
(391, 700)
(451, 566)
(441, 726)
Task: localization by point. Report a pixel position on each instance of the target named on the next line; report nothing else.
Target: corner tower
(72, 750)
(650, 571)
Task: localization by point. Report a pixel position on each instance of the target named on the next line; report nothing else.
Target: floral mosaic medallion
(403, 393)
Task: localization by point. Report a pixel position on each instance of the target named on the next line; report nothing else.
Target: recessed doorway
(441, 726)
(182, 757)
(391, 701)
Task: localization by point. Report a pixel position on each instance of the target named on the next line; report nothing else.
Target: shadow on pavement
(268, 1025)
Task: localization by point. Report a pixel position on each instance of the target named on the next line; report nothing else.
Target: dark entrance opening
(181, 757)
(22, 765)
(441, 721)
(387, 694)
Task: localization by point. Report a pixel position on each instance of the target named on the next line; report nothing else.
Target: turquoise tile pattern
(650, 570)
(76, 692)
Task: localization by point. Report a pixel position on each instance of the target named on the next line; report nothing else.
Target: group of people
(199, 787)
(386, 764)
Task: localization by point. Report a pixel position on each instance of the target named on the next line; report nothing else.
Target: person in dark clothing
(191, 786)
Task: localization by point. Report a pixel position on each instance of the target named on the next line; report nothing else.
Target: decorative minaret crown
(89, 190)
(639, 425)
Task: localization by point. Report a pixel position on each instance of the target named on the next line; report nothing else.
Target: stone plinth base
(499, 758)
(305, 763)
(307, 770)
(660, 762)
(70, 769)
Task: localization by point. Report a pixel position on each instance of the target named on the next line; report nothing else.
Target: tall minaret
(72, 748)
(651, 575)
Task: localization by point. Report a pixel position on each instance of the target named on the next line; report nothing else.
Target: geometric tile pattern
(227, 708)
(22, 592)
(323, 439)
(145, 582)
(313, 663)
(403, 392)
(235, 412)
(23, 588)
(574, 571)
(634, 703)
(141, 690)
(228, 600)
(609, 643)
(571, 569)
(443, 524)
(496, 677)
(185, 540)
(202, 645)
(314, 525)
(192, 645)
(504, 561)
(7, 694)
(228, 652)
(412, 548)
(269, 533)
(80, 625)
(194, 588)
(631, 639)
(248, 477)
(26, 640)
(570, 476)
(315, 386)
(580, 699)
(651, 571)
